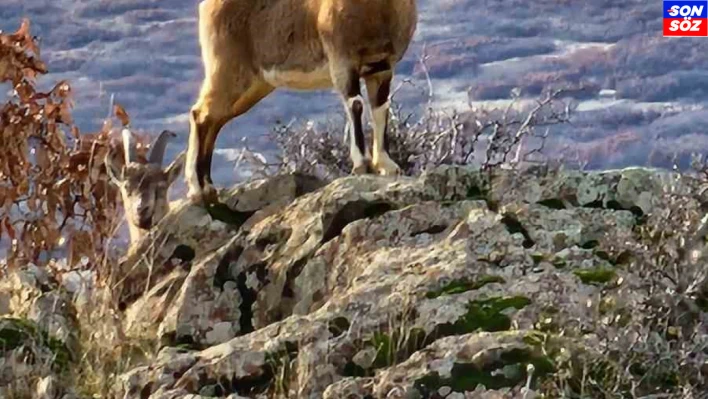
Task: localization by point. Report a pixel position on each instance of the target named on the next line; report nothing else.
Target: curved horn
(158, 148)
(128, 147)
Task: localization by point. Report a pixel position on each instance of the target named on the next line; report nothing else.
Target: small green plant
(25, 334)
(280, 369)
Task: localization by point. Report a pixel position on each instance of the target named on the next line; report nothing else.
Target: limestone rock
(396, 287)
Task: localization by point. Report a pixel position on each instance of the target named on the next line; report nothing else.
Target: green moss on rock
(486, 315)
(596, 275)
(463, 285)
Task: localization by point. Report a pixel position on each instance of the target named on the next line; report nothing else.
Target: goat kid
(143, 185)
(249, 48)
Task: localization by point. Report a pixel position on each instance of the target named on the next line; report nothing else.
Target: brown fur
(251, 47)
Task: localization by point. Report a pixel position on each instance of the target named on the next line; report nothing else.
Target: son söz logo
(686, 18)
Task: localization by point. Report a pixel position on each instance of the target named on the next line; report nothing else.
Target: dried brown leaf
(8, 227)
(121, 114)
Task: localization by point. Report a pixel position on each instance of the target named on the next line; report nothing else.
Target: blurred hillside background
(640, 97)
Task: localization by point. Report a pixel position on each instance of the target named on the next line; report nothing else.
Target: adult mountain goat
(251, 47)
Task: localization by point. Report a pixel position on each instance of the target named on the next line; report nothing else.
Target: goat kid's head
(144, 185)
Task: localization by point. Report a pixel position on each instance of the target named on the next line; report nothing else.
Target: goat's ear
(175, 168)
(114, 169)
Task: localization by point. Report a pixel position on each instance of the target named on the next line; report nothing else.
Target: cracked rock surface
(453, 284)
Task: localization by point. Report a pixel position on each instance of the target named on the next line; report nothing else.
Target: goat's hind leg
(378, 88)
(347, 82)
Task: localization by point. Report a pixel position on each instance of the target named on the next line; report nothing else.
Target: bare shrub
(484, 137)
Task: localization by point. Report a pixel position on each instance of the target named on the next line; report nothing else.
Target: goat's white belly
(318, 78)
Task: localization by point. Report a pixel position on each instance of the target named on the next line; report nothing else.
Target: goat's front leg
(203, 129)
(208, 116)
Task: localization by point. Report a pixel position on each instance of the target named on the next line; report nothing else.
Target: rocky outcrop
(455, 284)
